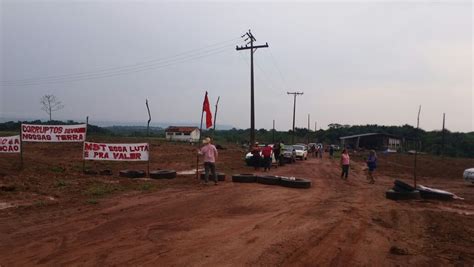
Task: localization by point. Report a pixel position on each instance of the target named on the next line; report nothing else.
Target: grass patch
(60, 183)
(145, 187)
(39, 203)
(92, 201)
(57, 169)
(100, 190)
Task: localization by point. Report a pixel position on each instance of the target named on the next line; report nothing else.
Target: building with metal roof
(377, 141)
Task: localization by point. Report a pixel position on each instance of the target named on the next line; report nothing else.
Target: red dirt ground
(180, 222)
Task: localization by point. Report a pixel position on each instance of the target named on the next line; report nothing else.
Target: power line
(266, 76)
(278, 69)
(122, 72)
(265, 82)
(125, 68)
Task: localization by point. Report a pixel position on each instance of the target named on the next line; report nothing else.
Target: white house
(182, 133)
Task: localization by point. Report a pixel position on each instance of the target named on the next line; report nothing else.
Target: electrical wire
(132, 68)
(123, 72)
(278, 69)
(265, 81)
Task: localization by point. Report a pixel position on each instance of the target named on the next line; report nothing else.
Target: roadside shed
(182, 133)
(377, 141)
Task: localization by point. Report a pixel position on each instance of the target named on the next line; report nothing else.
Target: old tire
(428, 193)
(297, 183)
(132, 173)
(398, 188)
(244, 178)
(403, 185)
(268, 179)
(394, 195)
(163, 174)
(220, 176)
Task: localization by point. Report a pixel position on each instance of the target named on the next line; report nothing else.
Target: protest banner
(116, 152)
(10, 144)
(53, 133)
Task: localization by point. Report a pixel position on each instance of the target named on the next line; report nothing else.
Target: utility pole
(250, 46)
(273, 133)
(294, 111)
(215, 116)
(149, 119)
(417, 144)
(309, 130)
(443, 136)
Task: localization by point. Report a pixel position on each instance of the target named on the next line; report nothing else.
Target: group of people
(371, 165)
(317, 151)
(210, 154)
(263, 155)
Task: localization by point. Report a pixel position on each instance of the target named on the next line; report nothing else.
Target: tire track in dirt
(336, 222)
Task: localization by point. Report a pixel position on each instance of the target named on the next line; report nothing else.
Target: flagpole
(200, 134)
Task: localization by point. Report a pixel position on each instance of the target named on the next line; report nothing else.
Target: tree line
(456, 144)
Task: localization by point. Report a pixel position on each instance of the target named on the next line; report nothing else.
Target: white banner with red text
(116, 152)
(53, 133)
(10, 144)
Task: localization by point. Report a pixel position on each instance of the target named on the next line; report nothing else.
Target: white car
(301, 151)
(469, 175)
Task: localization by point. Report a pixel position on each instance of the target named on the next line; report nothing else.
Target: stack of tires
(403, 191)
(272, 180)
(163, 174)
(132, 173)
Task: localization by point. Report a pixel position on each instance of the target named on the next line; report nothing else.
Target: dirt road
(336, 222)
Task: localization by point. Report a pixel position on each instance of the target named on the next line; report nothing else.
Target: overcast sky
(356, 62)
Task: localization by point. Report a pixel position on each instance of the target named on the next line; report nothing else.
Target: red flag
(207, 108)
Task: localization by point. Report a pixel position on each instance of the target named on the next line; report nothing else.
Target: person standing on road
(331, 151)
(320, 151)
(276, 151)
(267, 157)
(209, 152)
(281, 157)
(256, 159)
(345, 161)
(372, 165)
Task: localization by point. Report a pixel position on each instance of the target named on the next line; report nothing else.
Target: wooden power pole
(273, 132)
(149, 119)
(416, 146)
(443, 136)
(309, 130)
(295, 94)
(250, 46)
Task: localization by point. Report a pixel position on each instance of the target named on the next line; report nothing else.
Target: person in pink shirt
(345, 161)
(209, 152)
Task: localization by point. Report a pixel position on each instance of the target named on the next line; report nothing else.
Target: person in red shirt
(267, 157)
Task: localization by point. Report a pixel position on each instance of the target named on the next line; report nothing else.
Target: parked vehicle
(301, 151)
(469, 175)
(288, 154)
